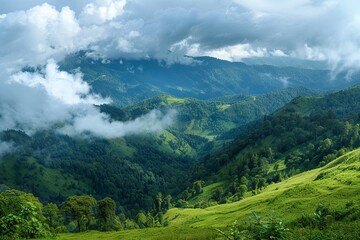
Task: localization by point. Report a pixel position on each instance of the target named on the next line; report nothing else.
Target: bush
(25, 224)
(272, 228)
(235, 232)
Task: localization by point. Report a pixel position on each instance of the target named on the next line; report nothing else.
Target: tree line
(22, 215)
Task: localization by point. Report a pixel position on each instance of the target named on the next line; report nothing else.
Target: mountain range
(129, 81)
(239, 129)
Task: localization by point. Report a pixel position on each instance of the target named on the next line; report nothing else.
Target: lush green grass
(208, 191)
(120, 146)
(280, 166)
(165, 233)
(335, 184)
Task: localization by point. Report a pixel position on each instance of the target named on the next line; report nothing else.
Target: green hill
(292, 161)
(207, 120)
(307, 133)
(132, 170)
(269, 166)
(290, 200)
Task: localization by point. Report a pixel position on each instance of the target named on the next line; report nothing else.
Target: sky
(39, 34)
(168, 29)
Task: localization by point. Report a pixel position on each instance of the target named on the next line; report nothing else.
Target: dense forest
(180, 120)
(307, 133)
(23, 216)
(131, 170)
(112, 184)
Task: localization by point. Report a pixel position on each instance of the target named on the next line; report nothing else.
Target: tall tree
(53, 218)
(106, 214)
(80, 209)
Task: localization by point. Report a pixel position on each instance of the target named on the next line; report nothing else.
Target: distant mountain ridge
(287, 62)
(130, 81)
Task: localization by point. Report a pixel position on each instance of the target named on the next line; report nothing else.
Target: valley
(245, 153)
(190, 120)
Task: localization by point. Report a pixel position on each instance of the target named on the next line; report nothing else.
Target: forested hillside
(179, 120)
(300, 207)
(131, 170)
(307, 133)
(213, 118)
(148, 174)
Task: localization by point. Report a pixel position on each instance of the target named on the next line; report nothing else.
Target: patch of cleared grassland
(207, 193)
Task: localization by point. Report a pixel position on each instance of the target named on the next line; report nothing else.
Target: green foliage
(218, 195)
(141, 220)
(198, 186)
(106, 216)
(21, 215)
(290, 199)
(136, 169)
(272, 228)
(235, 232)
(167, 202)
(305, 134)
(181, 203)
(141, 172)
(54, 166)
(130, 224)
(80, 209)
(53, 217)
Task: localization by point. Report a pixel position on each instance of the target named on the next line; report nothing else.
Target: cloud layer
(168, 30)
(35, 94)
(5, 147)
(39, 100)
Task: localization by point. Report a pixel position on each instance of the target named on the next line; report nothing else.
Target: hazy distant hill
(130, 81)
(287, 62)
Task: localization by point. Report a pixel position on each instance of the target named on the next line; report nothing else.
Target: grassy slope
(339, 180)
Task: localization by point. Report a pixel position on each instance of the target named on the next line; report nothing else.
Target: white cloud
(231, 53)
(29, 109)
(33, 36)
(316, 30)
(38, 100)
(102, 11)
(284, 81)
(278, 53)
(231, 30)
(159, 29)
(100, 124)
(5, 147)
(45, 96)
(68, 88)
